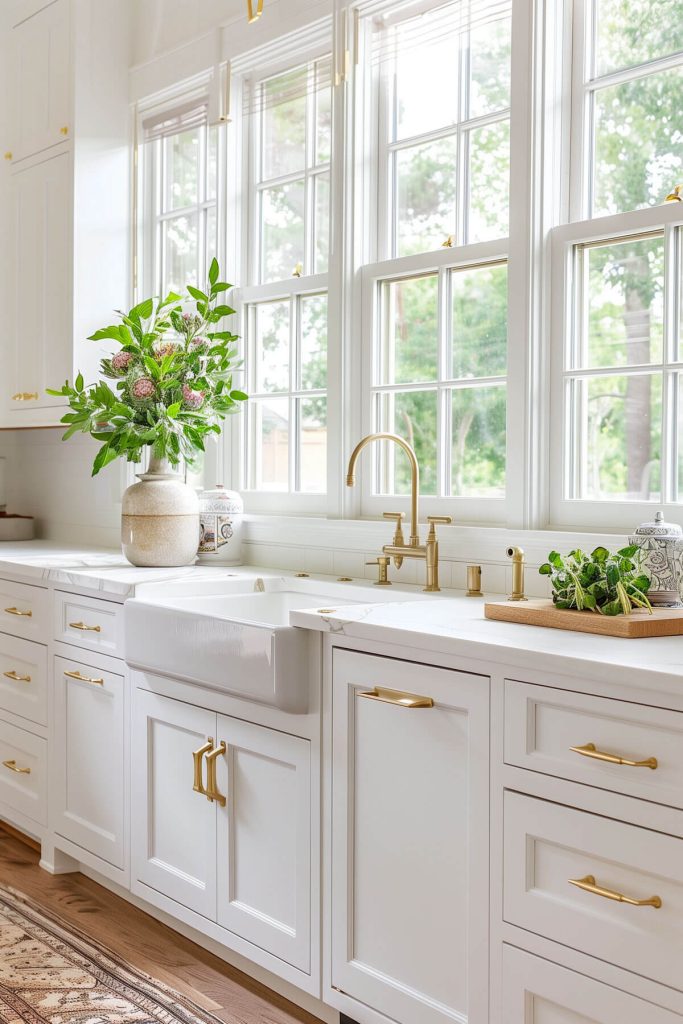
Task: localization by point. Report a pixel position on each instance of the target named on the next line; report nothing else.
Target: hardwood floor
(144, 942)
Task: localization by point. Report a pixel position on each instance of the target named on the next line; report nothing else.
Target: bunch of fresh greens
(610, 584)
(174, 379)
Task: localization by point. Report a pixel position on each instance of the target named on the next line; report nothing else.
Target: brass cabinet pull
(86, 629)
(16, 677)
(64, 130)
(588, 884)
(12, 765)
(25, 396)
(590, 750)
(84, 679)
(8, 155)
(16, 611)
(398, 697)
(197, 756)
(211, 783)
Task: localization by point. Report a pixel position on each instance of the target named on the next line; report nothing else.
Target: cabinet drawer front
(536, 991)
(89, 758)
(547, 845)
(24, 611)
(23, 678)
(90, 623)
(543, 724)
(23, 772)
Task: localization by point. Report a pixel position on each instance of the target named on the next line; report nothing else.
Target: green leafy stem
(610, 584)
(174, 373)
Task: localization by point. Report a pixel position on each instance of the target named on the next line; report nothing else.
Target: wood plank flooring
(145, 943)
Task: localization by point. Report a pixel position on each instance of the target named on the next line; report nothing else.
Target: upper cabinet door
(264, 839)
(410, 839)
(40, 82)
(39, 281)
(174, 826)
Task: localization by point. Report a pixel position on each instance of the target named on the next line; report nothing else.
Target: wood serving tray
(662, 622)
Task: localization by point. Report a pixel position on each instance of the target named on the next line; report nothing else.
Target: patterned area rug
(54, 974)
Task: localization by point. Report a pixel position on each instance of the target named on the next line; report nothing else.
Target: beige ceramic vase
(160, 519)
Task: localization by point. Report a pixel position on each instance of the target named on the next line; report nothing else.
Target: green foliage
(610, 584)
(173, 376)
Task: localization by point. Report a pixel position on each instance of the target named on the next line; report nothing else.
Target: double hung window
(286, 175)
(618, 365)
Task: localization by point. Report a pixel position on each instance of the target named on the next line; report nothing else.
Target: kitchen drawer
(24, 611)
(23, 678)
(23, 772)
(543, 724)
(536, 991)
(547, 844)
(89, 622)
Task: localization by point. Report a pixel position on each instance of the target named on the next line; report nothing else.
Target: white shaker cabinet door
(536, 991)
(88, 761)
(40, 90)
(410, 840)
(174, 827)
(264, 839)
(39, 284)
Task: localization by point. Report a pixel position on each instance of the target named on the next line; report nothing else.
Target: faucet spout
(414, 476)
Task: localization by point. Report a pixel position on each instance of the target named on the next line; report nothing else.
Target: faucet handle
(434, 520)
(398, 516)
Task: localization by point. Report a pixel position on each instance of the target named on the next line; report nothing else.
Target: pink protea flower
(192, 399)
(199, 344)
(121, 361)
(143, 389)
(165, 348)
(187, 317)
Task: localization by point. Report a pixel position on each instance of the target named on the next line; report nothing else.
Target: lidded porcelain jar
(221, 513)
(661, 546)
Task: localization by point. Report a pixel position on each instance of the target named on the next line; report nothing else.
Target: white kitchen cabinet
(39, 284)
(409, 840)
(174, 827)
(89, 759)
(39, 98)
(65, 64)
(241, 860)
(264, 839)
(536, 991)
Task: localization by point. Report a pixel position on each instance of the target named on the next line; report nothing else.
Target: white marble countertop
(457, 626)
(104, 570)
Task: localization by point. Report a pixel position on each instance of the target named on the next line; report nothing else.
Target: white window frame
(565, 512)
(286, 53)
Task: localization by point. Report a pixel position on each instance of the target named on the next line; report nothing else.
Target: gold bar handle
(84, 679)
(590, 750)
(398, 697)
(588, 884)
(212, 792)
(85, 629)
(12, 766)
(16, 677)
(17, 611)
(197, 756)
(25, 396)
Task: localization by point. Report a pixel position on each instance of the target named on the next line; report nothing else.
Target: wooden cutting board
(662, 622)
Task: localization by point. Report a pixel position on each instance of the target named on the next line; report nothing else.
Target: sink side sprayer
(398, 549)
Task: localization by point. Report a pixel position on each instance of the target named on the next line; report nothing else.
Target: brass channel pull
(588, 884)
(212, 792)
(86, 629)
(84, 679)
(398, 697)
(590, 750)
(16, 677)
(12, 765)
(25, 396)
(197, 756)
(16, 611)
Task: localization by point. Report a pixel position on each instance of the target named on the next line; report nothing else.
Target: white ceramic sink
(235, 634)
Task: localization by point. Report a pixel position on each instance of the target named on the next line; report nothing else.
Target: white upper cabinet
(409, 840)
(40, 98)
(64, 196)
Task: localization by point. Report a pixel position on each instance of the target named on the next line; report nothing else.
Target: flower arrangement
(174, 380)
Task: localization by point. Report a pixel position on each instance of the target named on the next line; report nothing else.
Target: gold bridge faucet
(398, 549)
